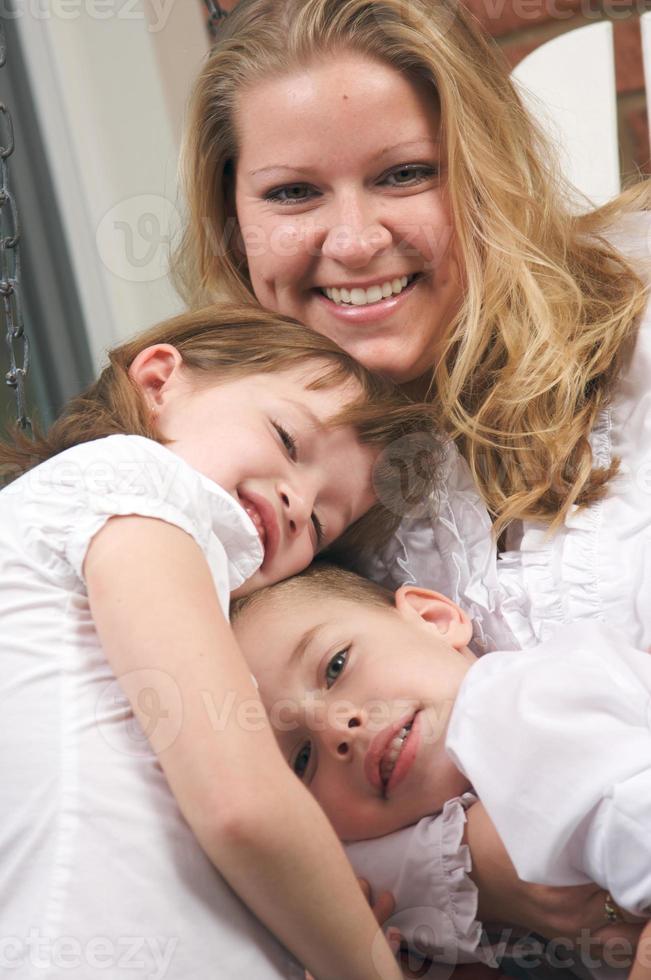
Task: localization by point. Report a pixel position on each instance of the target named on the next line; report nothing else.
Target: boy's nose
(340, 738)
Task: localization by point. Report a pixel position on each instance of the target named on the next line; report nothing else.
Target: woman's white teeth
(390, 757)
(362, 297)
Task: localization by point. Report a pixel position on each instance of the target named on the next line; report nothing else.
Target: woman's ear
(434, 610)
(156, 370)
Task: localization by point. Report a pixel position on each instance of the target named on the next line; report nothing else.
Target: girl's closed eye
(287, 439)
(289, 442)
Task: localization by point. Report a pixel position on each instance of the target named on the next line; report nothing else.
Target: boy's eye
(336, 666)
(287, 440)
(302, 760)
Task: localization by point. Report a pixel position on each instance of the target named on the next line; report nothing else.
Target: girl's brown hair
(550, 307)
(219, 344)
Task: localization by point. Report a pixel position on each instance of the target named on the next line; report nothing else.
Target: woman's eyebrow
(309, 170)
(407, 144)
(276, 167)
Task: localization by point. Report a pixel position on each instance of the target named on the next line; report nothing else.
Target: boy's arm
(167, 640)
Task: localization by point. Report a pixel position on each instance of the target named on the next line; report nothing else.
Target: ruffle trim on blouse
(462, 894)
(535, 600)
(451, 550)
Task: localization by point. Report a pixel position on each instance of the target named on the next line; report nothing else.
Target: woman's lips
(264, 517)
(371, 312)
(377, 749)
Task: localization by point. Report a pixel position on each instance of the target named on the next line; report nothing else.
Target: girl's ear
(434, 610)
(156, 370)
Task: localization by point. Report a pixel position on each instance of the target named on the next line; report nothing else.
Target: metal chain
(10, 289)
(215, 16)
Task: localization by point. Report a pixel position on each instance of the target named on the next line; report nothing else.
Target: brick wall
(519, 26)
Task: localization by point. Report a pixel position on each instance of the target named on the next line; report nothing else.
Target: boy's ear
(154, 370)
(422, 605)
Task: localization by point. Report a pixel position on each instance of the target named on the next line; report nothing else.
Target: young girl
(387, 715)
(217, 452)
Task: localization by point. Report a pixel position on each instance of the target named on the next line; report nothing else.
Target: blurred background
(97, 91)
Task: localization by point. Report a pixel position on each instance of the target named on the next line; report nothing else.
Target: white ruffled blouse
(596, 567)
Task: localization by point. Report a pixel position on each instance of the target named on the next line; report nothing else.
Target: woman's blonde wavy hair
(550, 308)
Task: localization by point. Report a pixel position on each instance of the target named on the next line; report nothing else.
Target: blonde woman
(367, 167)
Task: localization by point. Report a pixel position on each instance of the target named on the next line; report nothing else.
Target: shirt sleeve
(425, 867)
(570, 794)
(126, 475)
(617, 845)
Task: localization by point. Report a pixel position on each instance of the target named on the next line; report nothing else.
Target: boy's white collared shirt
(557, 744)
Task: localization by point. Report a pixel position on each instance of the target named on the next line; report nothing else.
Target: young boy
(383, 711)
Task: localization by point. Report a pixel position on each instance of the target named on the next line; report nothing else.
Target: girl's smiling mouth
(266, 524)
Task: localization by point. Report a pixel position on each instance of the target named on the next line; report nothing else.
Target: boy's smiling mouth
(385, 750)
(390, 757)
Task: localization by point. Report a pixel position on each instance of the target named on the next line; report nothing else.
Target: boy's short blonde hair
(319, 581)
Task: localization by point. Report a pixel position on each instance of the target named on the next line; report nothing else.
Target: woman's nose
(356, 236)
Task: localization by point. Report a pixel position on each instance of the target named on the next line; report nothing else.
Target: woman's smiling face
(341, 198)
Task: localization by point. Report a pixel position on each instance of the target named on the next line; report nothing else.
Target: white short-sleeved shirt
(100, 875)
(580, 705)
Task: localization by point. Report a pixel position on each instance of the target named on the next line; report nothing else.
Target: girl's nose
(355, 237)
(297, 507)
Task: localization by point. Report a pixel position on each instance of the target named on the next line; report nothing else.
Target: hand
(642, 966)
(383, 907)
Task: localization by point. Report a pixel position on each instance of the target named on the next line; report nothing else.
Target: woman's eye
(287, 440)
(336, 667)
(410, 174)
(289, 194)
(302, 760)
